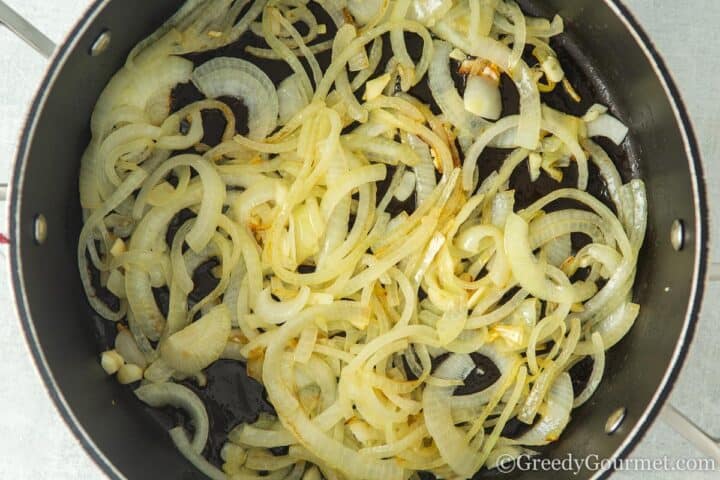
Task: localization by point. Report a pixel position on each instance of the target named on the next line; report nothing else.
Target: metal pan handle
(40, 42)
(26, 31)
(692, 433)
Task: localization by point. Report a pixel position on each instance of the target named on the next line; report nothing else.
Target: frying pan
(612, 61)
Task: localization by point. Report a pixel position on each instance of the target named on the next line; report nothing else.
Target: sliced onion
(349, 182)
(318, 278)
(610, 175)
(260, 437)
(128, 349)
(234, 77)
(280, 312)
(200, 343)
(638, 225)
(528, 132)
(613, 328)
(527, 270)
(135, 87)
(505, 362)
(343, 38)
(331, 452)
(558, 405)
(451, 324)
(364, 11)
(482, 13)
(513, 12)
(291, 98)
(558, 250)
(450, 441)
(172, 394)
(406, 187)
(425, 181)
(180, 439)
(473, 154)
(428, 12)
(213, 199)
(597, 371)
(446, 96)
(568, 129)
(607, 126)
(306, 345)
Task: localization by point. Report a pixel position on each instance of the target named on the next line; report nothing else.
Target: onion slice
(200, 343)
(234, 77)
(172, 394)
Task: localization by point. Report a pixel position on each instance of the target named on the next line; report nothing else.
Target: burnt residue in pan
(231, 396)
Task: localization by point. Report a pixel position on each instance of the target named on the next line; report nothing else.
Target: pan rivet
(677, 235)
(615, 420)
(40, 230)
(102, 42)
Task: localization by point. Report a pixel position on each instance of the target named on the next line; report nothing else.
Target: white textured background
(34, 441)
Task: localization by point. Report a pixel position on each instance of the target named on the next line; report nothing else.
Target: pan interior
(601, 60)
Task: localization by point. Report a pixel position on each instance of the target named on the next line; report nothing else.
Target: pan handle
(33, 37)
(679, 422)
(25, 30)
(692, 433)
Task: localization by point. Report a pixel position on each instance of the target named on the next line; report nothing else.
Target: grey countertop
(34, 441)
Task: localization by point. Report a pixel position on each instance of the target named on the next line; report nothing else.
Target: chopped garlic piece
(129, 373)
(118, 248)
(375, 87)
(111, 361)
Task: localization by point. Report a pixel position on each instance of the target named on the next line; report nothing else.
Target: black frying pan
(606, 56)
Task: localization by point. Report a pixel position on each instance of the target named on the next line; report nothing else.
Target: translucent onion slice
(558, 250)
(428, 12)
(505, 362)
(128, 349)
(178, 396)
(136, 87)
(451, 324)
(528, 131)
(406, 187)
(213, 197)
(450, 440)
(607, 126)
(446, 96)
(331, 452)
(425, 181)
(597, 371)
(255, 436)
(558, 405)
(279, 312)
(364, 11)
(234, 77)
(527, 270)
(568, 129)
(199, 344)
(613, 328)
(513, 12)
(291, 98)
(473, 154)
(349, 182)
(180, 439)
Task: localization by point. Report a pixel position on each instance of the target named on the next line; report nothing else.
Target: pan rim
(701, 235)
(632, 438)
